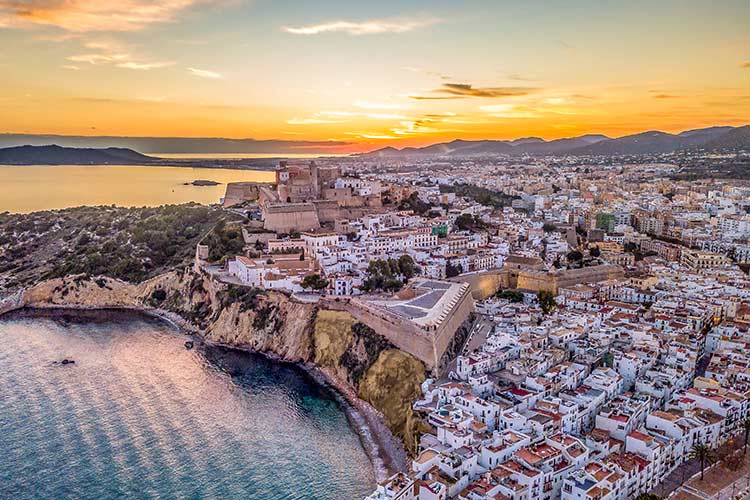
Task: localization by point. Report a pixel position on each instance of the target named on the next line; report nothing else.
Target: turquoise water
(138, 416)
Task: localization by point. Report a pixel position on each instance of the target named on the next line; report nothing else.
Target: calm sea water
(138, 416)
(26, 189)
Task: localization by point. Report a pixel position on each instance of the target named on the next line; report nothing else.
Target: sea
(138, 415)
(25, 189)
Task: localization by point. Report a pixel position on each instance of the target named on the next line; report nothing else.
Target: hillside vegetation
(131, 244)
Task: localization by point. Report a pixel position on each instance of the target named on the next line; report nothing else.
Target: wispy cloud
(437, 74)
(86, 15)
(508, 111)
(71, 67)
(98, 58)
(124, 61)
(463, 90)
(204, 73)
(144, 66)
(745, 65)
(371, 27)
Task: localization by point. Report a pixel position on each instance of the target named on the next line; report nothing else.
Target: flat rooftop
(431, 303)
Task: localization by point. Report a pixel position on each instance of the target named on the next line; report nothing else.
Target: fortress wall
(531, 280)
(447, 330)
(400, 332)
(237, 192)
(486, 283)
(290, 219)
(427, 346)
(552, 282)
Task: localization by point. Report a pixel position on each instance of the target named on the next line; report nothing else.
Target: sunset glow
(372, 74)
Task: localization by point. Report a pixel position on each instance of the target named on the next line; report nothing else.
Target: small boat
(189, 344)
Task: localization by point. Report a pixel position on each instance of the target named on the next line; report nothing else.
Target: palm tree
(702, 453)
(746, 426)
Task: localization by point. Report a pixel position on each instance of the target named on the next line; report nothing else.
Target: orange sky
(373, 74)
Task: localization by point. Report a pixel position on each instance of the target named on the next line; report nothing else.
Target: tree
(703, 454)
(746, 427)
(407, 267)
(464, 222)
(575, 255)
(734, 462)
(594, 252)
(548, 227)
(546, 301)
(511, 295)
(314, 281)
(648, 496)
(451, 270)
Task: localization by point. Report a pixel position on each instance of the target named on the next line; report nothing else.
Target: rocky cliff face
(358, 359)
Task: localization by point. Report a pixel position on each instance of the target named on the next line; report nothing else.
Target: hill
(737, 139)
(56, 155)
(724, 139)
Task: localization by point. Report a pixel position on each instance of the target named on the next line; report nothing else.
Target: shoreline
(384, 450)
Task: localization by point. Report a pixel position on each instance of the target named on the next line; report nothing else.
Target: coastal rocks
(383, 376)
(82, 292)
(391, 384)
(277, 326)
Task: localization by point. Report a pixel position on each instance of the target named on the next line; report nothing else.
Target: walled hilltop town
(534, 328)
(584, 329)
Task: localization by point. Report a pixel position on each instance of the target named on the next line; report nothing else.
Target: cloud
(98, 58)
(462, 90)
(665, 96)
(508, 111)
(745, 65)
(144, 66)
(204, 73)
(87, 15)
(119, 59)
(71, 67)
(437, 74)
(372, 27)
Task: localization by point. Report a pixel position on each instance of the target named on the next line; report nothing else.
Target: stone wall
(428, 346)
(486, 283)
(290, 218)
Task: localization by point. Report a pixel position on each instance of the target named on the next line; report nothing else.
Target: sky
(372, 74)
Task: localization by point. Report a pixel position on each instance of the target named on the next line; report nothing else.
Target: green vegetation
(365, 348)
(468, 222)
(546, 301)
(481, 195)
(415, 204)
(132, 244)
(511, 295)
(389, 275)
(452, 270)
(703, 454)
(224, 240)
(245, 295)
(314, 281)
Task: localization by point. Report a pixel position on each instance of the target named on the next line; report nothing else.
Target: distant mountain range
(56, 155)
(184, 145)
(713, 139)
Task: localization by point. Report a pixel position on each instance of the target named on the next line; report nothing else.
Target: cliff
(355, 359)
